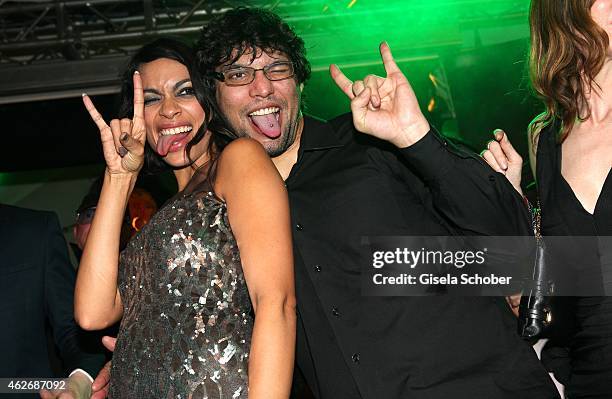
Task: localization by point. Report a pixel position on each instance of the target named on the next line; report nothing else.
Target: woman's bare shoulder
(243, 161)
(240, 151)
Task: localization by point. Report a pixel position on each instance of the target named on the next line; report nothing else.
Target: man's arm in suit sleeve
(60, 279)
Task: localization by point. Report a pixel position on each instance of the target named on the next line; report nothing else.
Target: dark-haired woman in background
(185, 284)
(571, 155)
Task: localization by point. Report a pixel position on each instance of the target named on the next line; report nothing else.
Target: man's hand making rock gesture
(385, 108)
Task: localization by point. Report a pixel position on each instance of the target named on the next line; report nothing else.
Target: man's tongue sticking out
(267, 124)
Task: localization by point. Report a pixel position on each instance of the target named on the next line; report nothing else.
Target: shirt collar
(318, 134)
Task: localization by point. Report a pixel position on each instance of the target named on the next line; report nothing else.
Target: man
(37, 285)
(344, 186)
(340, 189)
(86, 211)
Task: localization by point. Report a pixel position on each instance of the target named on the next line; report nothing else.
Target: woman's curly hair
(567, 51)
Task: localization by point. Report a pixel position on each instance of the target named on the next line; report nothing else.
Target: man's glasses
(243, 75)
(86, 215)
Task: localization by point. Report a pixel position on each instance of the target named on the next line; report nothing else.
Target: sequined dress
(187, 322)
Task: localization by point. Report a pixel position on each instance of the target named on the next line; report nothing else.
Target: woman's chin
(177, 159)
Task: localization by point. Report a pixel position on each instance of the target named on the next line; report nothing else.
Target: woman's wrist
(123, 182)
(126, 177)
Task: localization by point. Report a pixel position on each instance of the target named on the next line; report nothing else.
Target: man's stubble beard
(285, 140)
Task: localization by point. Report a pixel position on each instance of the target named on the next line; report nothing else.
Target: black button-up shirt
(344, 186)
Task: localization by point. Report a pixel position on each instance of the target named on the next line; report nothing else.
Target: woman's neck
(599, 96)
(183, 175)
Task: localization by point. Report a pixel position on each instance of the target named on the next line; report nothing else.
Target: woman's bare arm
(97, 303)
(258, 212)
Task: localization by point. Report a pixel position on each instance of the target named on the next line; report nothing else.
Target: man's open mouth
(267, 121)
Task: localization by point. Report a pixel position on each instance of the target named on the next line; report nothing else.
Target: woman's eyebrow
(176, 86)
(181, 82)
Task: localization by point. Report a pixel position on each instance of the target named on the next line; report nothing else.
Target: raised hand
(503, 158)
(122, 141)
(387, 107)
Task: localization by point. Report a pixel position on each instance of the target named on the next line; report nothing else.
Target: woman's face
(172, 112)
(601, 12)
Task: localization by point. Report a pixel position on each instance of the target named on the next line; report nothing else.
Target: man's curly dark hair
(246, 30)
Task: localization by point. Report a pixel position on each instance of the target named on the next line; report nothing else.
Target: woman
(571, 155)
(183, 284)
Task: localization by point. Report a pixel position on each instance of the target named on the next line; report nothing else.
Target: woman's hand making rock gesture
(123, 139)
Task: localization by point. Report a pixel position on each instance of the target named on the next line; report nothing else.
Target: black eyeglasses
(243, 75)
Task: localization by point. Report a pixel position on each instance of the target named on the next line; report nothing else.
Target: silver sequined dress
(187, 322)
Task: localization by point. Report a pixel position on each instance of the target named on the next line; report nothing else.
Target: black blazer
(37, 285)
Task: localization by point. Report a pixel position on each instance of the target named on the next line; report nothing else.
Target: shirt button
(317, 268)
(335, 312)
(355, 358)
(299, 227)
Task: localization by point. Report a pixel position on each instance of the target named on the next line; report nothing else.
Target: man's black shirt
(345, 186)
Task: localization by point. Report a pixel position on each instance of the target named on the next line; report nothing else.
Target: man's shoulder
(342, 124)
(345, 136)
(24, 234)
(343, 121)
(18, 216)
(321, 134)
(342, 129)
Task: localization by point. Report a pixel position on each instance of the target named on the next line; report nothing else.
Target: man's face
(267, 111)
(80, 232)
(82, 226)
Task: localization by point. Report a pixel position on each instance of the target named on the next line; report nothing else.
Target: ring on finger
(131, 162)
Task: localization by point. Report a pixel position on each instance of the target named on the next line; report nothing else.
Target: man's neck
(285, 161)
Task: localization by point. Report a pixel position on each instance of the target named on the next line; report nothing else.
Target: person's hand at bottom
(101, 383)
(78, 386)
